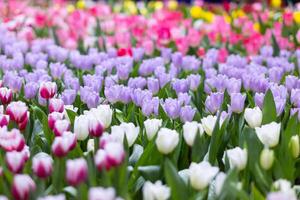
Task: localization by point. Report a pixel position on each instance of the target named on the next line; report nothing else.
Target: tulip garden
(125, 100)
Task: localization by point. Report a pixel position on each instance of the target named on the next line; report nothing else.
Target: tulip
(42, 165)
(61, 126)
(131, 132)
(253, 116)
(15, 161)
(56, 105)
(3, 197)
(201, 174)
(155, 191)
(77, 171)
(11, 140)
(282, 195)
(99, 193)
(266, 158)
(22, 186)
(166, 140)
(294, 146)
(237, 101)
(208, 124)
(63, 144)
(53, 117)
(95, 126)
(151, 127)
(220, 179)
(90, 145)
(101, 160)
(53, 197)
(103, 113)
(237, 158)
(22, 125)
(4, 120)
(6, 95)
(269, 134)
(115, 153)
(81, 127)
(17, 111)
(190, 130)
(47, 90)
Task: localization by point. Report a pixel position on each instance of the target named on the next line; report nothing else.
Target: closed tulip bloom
(47, 90)
(131, 132)
(95, 126)
(294, 146)
(166, 140)
(237, 158)
(77, 171)
(81, 127)
(17, 111)
(115, 153)
(56, 105)
(201, 174)
(151, 127)
(99, 193)
(42, 165)
(237, 101)
(266, 158)
(11, 140)
(53, 117)
(3, 197)
(156, 191)
(101, 160)
(103, 113)
(253, 117)
(4, 120)
(172, 107)
(6, 95)
(61, 126)
(53, 197)
(22, 186)
(63, 144)
(208, 124)
(15, 161)
(190, 130)
(220, 179)
(269, 134)
(30, 90)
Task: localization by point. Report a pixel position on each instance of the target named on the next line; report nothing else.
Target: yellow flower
(70, 8)
(238, 13)
(227, 19)
(130, 7)
(144, 11)
(172, 5)
(276, 3)
(296, 16)
(256, 26)
(158, 5)
(196, 12)
(80, 4)
(209, 16)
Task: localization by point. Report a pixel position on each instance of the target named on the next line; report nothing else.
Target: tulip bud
(3, 197)
(11, 140)
(95, 127)
(190, 130)
(81, 127)
(201, 174)
(22, 186)
(151, 127)
(115, 153)
(237, 158)
(63, 144)
(42, 165)
(156, 191)
(166, 140)
(103, 113)
(253, 117)
(131, 132)
(101, 160)
(91, 145)
(294, 146)
(61, 126)
(47, 90)
(220, 179)
(17, 111)
(5, 95)
(269, 134)
(77, 171)
(208, 124)
(56, 105)
(237, 101)
(22, 125)
(4, 120)
(53, 117)
(15, 161)
(266, 158)
(99, 193)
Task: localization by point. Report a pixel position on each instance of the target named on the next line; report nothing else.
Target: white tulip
(190, 130)
(266, 158)
(253, 116)
(90, 145)
(155, 191)
(282, 185)
(166, 140)
(104, 114)
(118, 133)
(201, 174)
(81, 127)
(289, 195)
(151, 127)
(219, 182)
(294, 145)
(208, 124)
(269, 134)
(237, 158)
(131, 132)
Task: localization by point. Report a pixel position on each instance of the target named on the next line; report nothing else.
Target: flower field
(155, 101)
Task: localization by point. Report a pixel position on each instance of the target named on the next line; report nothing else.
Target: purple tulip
(30, 90)
(68, 96)
(172, 107)
(187, 113)
(213, 102)
(237, 101)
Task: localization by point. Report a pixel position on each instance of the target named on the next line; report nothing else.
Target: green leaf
(150, 172)
(71, 115)
(276, 49)
(256, 195)
(269, 108)
(179, 190)
(136, 154)
(200, 148)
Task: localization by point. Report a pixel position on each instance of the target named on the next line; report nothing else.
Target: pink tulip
(56, 105)
(115, 153)
(61, 126)
(5, 95)
(22, 186)
(42, 165)
(101, 160)
(23, 124)
(4, 120)
(11, 140)
(53, 117)
(47, 90)
(15, 161)
(17, 111)
(77, 171)
(63, 144)
(95, 127)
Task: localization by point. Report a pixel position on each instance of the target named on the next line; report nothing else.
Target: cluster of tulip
(149, 102)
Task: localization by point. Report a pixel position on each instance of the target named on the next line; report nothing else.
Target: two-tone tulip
(47, 90)
(42, 165)
(77, 171)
